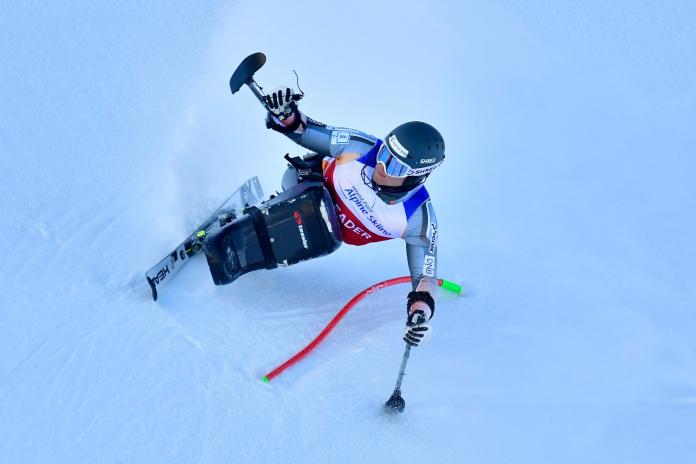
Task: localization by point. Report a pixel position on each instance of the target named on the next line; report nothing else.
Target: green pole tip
(451, 286)
(266, 379)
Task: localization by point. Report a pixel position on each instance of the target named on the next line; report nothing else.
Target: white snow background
(566, 208)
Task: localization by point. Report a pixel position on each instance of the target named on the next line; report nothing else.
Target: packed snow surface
(566, 209)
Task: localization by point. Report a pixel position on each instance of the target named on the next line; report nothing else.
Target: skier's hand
(420, 307)
(417, 328)
(282, 102)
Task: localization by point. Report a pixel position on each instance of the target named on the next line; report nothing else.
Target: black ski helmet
(412, 150)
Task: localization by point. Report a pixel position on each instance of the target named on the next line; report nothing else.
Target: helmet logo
(396, 146)
(428, 160)
(424, 170)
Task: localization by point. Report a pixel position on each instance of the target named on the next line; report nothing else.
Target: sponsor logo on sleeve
(429, 266)
(316, 123)
(433, 238)
(340, 137)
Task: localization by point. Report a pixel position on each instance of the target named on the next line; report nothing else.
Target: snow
(566, 209)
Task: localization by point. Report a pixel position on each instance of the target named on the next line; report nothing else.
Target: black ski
(248, 194)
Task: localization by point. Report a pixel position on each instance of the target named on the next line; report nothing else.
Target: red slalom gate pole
(341, 314)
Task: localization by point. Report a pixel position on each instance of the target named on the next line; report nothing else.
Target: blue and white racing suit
(365, 218)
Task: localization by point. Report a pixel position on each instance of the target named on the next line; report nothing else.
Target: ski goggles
(394, 167)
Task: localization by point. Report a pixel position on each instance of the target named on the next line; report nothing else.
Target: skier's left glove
(421, 308)
(282, 102)
(283, 115)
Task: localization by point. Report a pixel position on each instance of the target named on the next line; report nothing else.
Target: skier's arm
(421, 250)
(320, 138)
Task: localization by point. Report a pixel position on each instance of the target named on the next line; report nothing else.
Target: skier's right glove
(417, 328)
(420, 308)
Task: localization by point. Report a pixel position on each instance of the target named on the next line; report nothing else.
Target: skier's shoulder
(419, 205)
(421, 224)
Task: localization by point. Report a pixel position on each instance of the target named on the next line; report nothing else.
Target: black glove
(282, 102)
(417, 328)
(420, 308)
